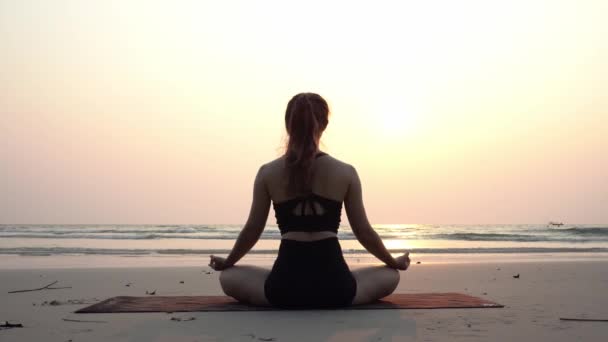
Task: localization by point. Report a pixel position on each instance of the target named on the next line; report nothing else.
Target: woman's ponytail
(306, 118)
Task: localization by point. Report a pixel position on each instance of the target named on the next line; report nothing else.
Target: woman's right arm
(367, 236)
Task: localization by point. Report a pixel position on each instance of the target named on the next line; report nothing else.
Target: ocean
(141, 240)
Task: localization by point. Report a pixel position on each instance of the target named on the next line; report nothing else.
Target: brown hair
(306, 118)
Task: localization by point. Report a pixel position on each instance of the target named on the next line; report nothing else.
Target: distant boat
(555, 224)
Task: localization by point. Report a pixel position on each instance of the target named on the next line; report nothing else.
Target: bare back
(331, 179)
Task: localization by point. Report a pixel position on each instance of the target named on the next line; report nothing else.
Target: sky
(161, 112)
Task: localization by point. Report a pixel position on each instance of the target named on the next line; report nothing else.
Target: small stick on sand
(82, 321)
(583, 319)
(47, 287)
(11, 325)
(183, 319)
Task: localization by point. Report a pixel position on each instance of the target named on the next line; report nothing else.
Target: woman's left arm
(250, 234)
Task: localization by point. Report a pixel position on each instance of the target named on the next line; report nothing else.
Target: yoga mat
(224, 303)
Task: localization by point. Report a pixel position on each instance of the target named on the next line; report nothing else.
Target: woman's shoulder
(328, 160)
(338, 163)
(273, 164)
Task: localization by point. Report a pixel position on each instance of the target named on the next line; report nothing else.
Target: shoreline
(33, 262)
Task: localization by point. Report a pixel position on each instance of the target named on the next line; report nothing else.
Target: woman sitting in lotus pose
(307, 188)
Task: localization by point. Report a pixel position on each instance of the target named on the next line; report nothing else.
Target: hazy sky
(162, 111)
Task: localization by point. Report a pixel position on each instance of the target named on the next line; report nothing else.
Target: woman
(307, 188)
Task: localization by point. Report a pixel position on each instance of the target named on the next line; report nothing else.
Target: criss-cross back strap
(304, 201)
(308, 200)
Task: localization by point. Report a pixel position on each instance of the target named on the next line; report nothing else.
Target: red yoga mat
(224, 303)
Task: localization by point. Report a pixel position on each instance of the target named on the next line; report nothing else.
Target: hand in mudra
(217, 263)
(403, 261)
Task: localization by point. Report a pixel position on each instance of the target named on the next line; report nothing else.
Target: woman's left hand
(403, 261)
(218, 263)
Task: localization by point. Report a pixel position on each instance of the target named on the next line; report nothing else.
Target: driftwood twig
(183, 319)
(82, 321)
(11, 325)
(47, 287)
(583, 319)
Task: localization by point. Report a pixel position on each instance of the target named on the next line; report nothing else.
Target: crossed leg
(246, 283)
(374, 282)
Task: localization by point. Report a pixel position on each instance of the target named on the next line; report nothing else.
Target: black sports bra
(300, 213)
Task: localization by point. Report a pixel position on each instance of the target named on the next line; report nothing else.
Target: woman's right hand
(218, 263)
(403, 261)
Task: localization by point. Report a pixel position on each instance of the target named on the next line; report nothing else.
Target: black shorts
(310, 274)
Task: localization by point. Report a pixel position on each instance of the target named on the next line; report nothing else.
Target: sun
(396, 122)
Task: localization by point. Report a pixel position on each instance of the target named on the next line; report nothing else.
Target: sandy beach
(534, 302)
